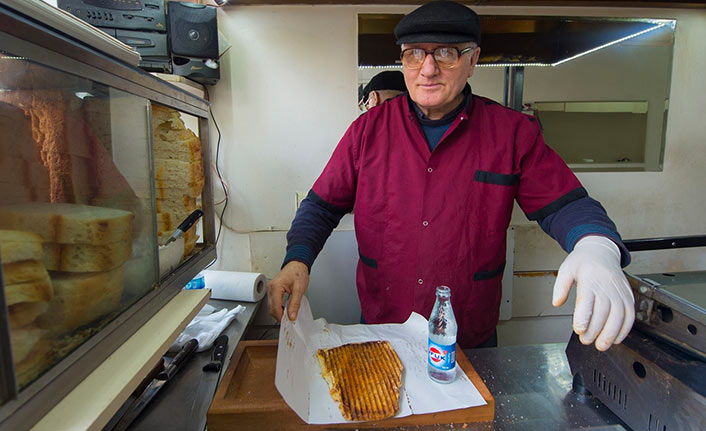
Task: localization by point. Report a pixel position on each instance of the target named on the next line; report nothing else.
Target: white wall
(288, 91)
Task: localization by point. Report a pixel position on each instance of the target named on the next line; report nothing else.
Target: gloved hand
(292, 279)
(605, 307)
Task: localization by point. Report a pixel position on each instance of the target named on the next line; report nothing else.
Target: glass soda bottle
(441, 353)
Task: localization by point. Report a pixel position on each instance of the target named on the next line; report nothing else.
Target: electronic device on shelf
(141, 24)
(193, 41)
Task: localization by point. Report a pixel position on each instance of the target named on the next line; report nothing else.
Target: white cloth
(605, 307)
(206, 327)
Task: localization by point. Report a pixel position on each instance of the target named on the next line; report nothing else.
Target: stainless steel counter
(531, 385)
(178, 405)
(532, 390)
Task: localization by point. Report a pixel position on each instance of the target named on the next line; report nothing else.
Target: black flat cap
(387, 80)
(439, 21)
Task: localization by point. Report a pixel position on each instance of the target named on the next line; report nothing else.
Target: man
(385, 85)
(433, 176)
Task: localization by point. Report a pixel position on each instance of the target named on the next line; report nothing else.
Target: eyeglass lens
(444, 56)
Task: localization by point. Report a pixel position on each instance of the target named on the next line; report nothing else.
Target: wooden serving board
(247, 398)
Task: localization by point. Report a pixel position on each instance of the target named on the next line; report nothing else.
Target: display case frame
(30, 39)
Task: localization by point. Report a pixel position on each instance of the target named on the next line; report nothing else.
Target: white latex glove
(605, 307)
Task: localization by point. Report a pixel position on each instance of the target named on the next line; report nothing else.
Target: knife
(159, 367)
(185, 225)
(218, 354)
(204, 393)
(153, 388)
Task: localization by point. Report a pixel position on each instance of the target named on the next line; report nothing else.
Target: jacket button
(425, 223)
(430, 170)
(420, 281)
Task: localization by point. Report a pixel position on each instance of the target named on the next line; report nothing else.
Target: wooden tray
(247, 398)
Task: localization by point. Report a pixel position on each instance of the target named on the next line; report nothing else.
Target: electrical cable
(220, 177)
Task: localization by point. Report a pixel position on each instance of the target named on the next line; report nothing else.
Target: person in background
(433, 176)
(385, 85)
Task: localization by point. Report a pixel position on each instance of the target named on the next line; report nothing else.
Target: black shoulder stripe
(496, 178)
(558, 204)
(487, 275)
(322, 203)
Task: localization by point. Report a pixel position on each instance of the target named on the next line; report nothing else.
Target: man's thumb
(293, 306)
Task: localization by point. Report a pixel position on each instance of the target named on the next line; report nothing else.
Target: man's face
(435, 90)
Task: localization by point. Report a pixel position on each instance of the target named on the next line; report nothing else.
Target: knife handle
(185, 352)
(158, 368)
(219, 348)
(186, 224)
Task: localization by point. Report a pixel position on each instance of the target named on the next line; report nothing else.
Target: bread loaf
(16, 246)
(31, 353)
(22, 180)
(29, 173)
(167, 189)
(174, 130)
(29, 291)
(22, 271)
(23, 341)
(58, 132)
(69, 223)
(162, 114)
(16, 129)
(179, 176)
(177, 208)
(71, 177)
(174, 173)
(167, 222)
(39, 358)
(15, 193)
(86, 257)
(24, 313)
(81, 298)
(187, 151)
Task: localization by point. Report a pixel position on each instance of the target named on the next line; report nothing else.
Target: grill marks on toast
(363, 378)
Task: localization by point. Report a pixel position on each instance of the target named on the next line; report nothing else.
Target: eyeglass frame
(460, 52)
(363, 103)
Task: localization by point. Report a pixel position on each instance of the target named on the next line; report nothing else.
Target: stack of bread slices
(179, 176)
(84, 248)
(28, 291)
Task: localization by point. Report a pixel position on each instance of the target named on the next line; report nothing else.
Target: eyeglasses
(446, 57)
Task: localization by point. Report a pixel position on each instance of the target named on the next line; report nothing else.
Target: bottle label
(197, 282)
(442, 357)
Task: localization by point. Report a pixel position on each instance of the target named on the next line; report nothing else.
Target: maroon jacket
(425, 218)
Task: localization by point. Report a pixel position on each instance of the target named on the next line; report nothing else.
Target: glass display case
(99, 164)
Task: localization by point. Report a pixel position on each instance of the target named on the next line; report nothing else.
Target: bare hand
(292, 279)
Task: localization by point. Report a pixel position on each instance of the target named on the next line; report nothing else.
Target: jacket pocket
(493, 198)
(496, 178)
(487, 275)
(368, 261)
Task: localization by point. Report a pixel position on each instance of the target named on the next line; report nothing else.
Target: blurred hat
(439, 21)
(388, 80)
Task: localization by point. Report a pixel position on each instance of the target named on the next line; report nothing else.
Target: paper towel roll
(235, 286)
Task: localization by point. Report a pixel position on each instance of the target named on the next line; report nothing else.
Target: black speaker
(193, 30)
